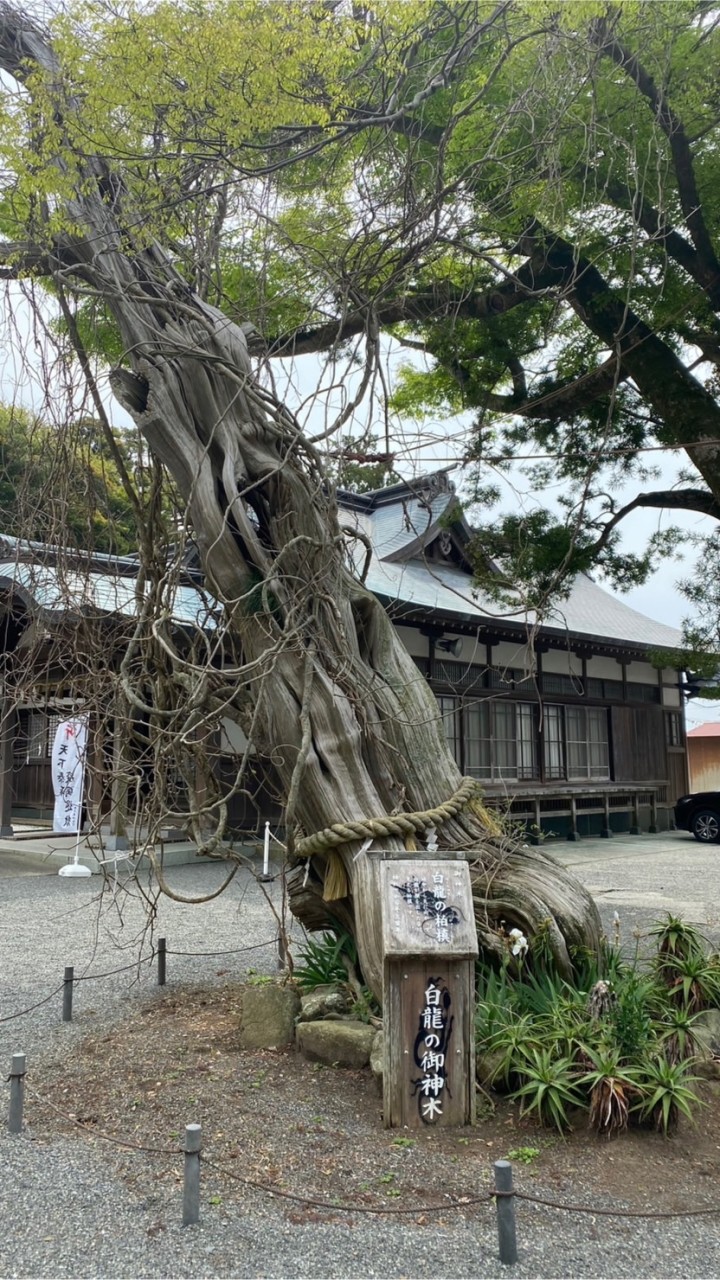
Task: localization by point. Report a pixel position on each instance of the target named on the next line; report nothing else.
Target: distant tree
(59, 484)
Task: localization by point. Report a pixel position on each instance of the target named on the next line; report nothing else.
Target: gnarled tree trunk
(339, 704)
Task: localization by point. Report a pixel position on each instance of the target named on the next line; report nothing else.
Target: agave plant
(676, 1034)
(549, 1087)
(611, 1091)
(508, 1046)
(665, 1093)
(693, 980)
(676, 940)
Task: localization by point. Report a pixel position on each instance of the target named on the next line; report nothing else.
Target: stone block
(377, 1059)
(267, 1018)
(342, 1044)
(706, 1034)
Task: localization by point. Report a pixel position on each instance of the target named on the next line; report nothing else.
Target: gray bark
(337, 695)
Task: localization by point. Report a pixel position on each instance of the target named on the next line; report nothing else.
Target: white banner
(68, 773)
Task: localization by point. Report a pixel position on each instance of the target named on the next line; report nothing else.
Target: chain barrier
(21, 1014)
(109, 973)
(98, 1133)
(448, 1204)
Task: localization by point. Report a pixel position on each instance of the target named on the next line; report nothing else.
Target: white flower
(519, 943)
(616, 917)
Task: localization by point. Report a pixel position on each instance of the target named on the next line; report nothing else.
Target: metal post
(653, 828)
(505, 1204)
(191, 1182)
(68, 993)
(17, 1093)
(162, 954)
(635, 824)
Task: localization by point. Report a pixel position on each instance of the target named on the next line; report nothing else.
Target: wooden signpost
(430, 945)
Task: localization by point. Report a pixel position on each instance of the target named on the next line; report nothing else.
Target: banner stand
(72, 730)
(76, 867)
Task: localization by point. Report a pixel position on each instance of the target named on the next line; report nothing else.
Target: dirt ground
(271, 1118)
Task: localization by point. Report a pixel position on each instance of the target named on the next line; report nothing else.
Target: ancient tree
(323, 685)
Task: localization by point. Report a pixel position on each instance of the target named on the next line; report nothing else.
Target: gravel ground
(66, 1211)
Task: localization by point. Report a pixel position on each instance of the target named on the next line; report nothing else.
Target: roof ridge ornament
(432, 486)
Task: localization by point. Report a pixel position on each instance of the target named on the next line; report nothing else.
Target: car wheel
(706, 826)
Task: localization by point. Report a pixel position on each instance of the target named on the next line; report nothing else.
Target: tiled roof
(446, 589)
(588, 611)
(58, 590)
(397, 521)
(705, 731)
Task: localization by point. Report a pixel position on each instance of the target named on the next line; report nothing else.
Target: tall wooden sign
(430, 946)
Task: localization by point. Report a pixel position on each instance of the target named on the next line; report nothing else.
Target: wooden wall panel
(32, 784)
(677, 776)
(638, 744)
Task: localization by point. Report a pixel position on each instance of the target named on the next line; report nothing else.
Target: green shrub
(618, 1040)
(321, 961)
(631, 1026)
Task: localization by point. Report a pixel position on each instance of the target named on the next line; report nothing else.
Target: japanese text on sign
(429, 900)
(430, 1054)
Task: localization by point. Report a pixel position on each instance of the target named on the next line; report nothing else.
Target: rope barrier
(612, 1213)
(10, 1016)
(257, 946)
(448, 1203)
(460, 1202)
(90, 977)
(338, 1207)
(109, 973)
(98, 1133)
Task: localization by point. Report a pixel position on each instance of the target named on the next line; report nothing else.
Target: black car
(700, 813)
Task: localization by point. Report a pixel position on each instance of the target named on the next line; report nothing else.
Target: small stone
(323, 1001)
(345, 1044)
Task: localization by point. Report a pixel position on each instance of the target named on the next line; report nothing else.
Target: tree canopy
(526, 192)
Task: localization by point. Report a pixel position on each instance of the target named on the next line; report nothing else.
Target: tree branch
(532, 280)
(564, 397)
(690, 413)
(20, 258)
(700, 500)
(658, 229)
(674, 130)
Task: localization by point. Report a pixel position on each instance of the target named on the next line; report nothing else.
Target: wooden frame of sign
(430, 945)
